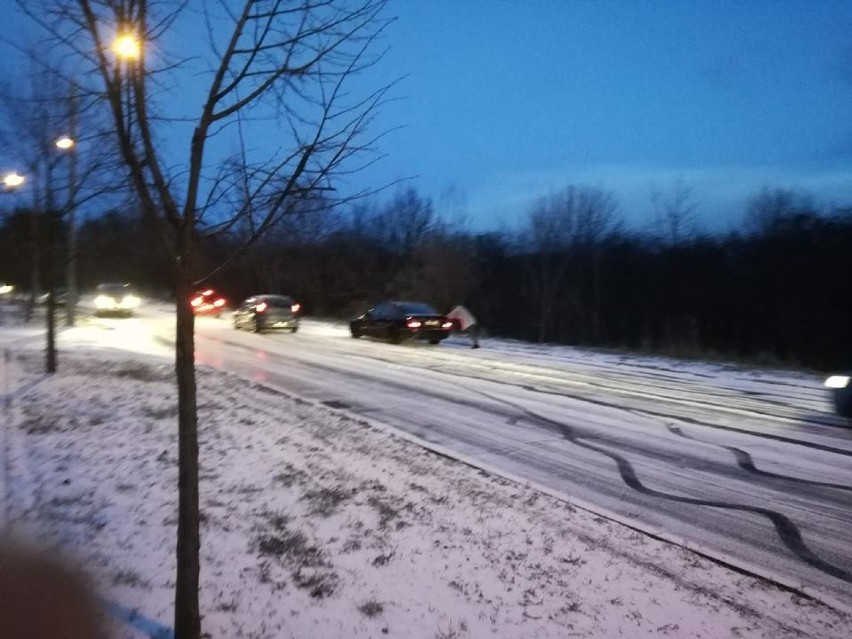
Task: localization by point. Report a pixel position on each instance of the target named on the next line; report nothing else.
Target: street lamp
(12, 180)
(127, 46)
(65, 143)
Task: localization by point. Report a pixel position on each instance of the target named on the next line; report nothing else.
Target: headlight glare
(104, 301)
(838, 381)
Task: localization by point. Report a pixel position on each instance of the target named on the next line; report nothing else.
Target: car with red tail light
(208, 302)
(398, 321)
(265, 312)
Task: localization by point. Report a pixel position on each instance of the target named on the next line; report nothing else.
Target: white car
(115, 299)
(841, 393)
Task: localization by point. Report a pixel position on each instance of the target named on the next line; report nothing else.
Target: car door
(366, 323)
(243, 311)
(391, 317)
(378, 320)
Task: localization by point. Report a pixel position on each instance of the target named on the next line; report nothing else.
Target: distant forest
(776, 291)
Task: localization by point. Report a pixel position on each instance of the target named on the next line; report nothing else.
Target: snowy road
(750, 466)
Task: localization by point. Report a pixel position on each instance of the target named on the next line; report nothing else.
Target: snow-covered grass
(316, 524)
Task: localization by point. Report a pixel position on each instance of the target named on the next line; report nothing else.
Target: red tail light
(219, 302)
(196, 301)
(295, 307)
(447, 324)
(260, 308)
(414, 323)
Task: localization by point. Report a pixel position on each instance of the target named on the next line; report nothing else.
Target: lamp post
(65, 144)
(68, 144)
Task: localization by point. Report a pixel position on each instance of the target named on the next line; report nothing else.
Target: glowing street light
(127, 46)
(65, 143)
(13, 180)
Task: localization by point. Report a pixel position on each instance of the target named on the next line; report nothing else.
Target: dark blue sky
(505, 100)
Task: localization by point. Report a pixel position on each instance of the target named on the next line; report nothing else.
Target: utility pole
(71, 300)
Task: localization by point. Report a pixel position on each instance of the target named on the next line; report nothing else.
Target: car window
(113, 289)
(416, 308)
(395, 312)
(383, 312)
(278, 301)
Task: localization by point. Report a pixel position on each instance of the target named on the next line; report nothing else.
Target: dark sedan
(841, 393)
(397, 321)
(266, 312)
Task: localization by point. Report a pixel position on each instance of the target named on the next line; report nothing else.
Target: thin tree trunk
(51, 221)
(543, 315)
(187, 619)
(50, 359)
(35, 275)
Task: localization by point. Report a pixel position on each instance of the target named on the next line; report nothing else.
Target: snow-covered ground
(317, 524)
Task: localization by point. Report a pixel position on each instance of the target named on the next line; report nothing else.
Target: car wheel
(354, 333)
(395, 337)
(294, 329)
(256, 326)
(434, 341)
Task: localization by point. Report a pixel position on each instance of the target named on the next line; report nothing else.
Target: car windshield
(114, 289)
(416, 308)
(277, 301)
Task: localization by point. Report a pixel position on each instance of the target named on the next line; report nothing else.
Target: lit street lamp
(127, 46)
(65, 143)
(12, 181)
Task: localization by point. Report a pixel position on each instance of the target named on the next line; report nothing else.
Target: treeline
(776, 291)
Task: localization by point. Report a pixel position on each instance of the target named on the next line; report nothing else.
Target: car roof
(407, 304)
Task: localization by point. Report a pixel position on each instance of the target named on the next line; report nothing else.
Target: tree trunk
(51, 222)
(35, 275)
(50, 351)
(187, 620)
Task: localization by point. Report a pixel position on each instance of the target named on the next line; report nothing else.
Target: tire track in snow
(788, 533)
(745, 462)
(744, 431)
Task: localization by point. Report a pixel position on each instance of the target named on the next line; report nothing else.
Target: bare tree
(766, 209)
(675, 212)
(449, 272)
(558, 225)
(403, 225)
(275, 67)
